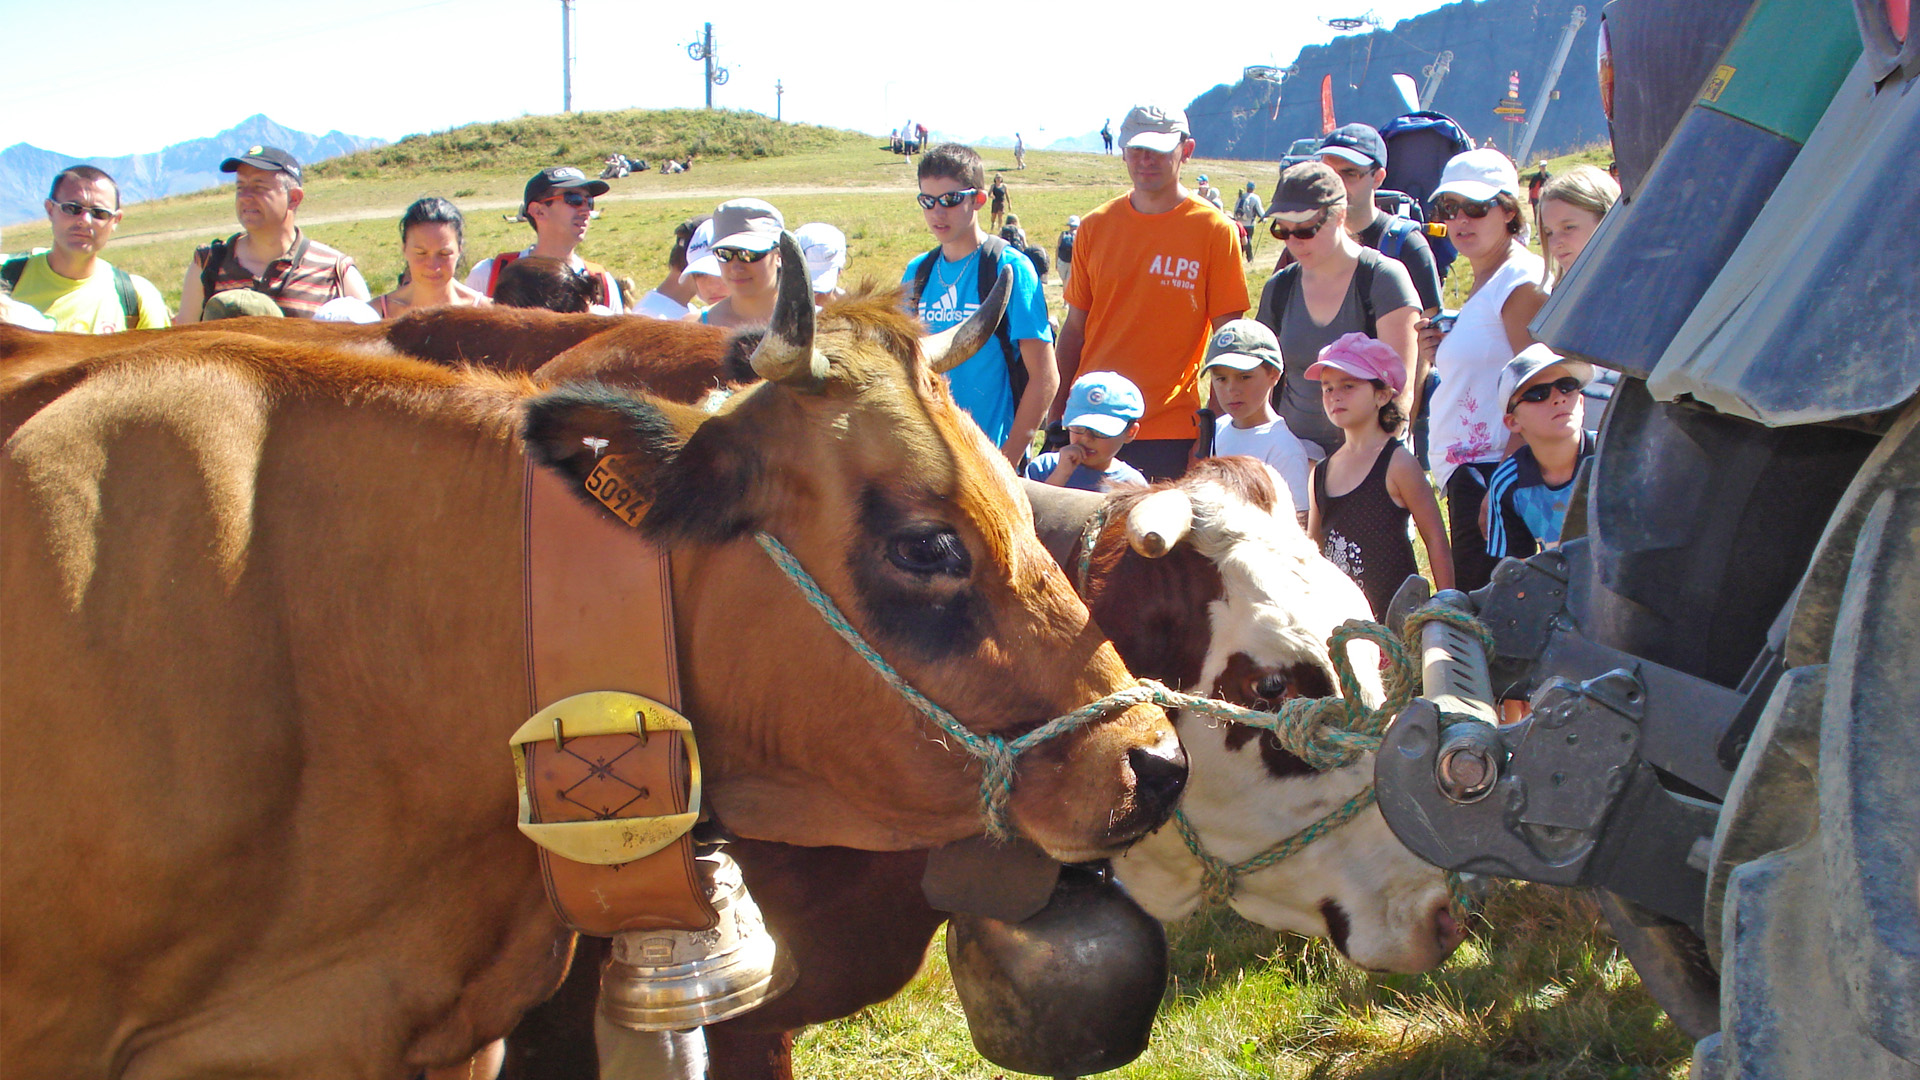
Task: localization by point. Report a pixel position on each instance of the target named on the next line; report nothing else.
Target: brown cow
(1236, 601)
(263, 621)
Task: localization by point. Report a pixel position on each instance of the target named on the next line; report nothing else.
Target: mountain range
(186, 166)
(1488, 41)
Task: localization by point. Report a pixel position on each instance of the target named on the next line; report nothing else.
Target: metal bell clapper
(672, 980)
(1069, 991)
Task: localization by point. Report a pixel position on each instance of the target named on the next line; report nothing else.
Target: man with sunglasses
(70, 283)
(558, 204)
(1155, 272)
(1528, 494)
(271, 256)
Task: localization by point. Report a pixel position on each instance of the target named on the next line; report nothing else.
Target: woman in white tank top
(1479, 198)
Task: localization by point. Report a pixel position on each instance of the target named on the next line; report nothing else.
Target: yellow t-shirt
(91, 306)
(1151, 285)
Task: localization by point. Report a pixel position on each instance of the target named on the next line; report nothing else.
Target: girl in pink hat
(1363, 493)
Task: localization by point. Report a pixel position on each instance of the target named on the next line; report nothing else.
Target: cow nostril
(1158, 778)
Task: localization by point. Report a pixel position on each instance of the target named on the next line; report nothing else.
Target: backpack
(1038, 257)
(990, 250)
(11, 270)
(1064, 250)
(501, 261)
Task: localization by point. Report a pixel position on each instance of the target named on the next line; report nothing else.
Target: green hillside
(535, 142)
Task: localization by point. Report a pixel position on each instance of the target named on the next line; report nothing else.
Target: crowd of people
(1154, 363)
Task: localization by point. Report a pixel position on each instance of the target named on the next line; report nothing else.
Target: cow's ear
(575, 428)
(693, 482)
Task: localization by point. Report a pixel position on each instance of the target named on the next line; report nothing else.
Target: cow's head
(853, 454)
(1381, 905)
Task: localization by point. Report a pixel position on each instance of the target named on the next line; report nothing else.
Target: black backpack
(990, 250)
(11, 270)
(1063, 251)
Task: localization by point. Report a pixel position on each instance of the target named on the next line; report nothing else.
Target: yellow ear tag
(616, 489)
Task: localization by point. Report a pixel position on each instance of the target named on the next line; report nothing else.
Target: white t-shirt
(658, 305)
(1464, 424)
(480, 276)
(1275, 444)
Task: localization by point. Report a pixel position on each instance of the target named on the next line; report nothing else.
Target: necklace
(941, 283)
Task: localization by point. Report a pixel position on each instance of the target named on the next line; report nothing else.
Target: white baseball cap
(1155, 128)
(700, 258)
(826, 250)
(1479, 175)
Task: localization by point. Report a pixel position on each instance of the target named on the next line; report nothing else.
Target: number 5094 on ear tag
(610, 484)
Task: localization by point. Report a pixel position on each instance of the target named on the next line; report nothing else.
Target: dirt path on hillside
(128, 239)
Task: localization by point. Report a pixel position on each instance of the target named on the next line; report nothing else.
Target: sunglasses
(575, 199)
(97, 213)
(1534, 395)
(1452, 208)
(732, 254)
(1283, 231)
(950, 199)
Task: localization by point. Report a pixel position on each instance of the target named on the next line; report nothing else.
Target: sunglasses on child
(733, 254)
(1452, 208)
(1281, 230)
(97, 213)
(950, 199)
(575, 199)
(1534, 395)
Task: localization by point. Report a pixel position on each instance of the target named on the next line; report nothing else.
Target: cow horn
(1158, 523)
(786, 354)
(950, 348)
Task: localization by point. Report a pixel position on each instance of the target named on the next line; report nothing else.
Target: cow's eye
(1272, 687)
(929, 551)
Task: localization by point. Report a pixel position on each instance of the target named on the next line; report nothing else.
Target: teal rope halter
(1326, 733)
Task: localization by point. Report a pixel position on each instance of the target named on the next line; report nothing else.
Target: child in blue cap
(1103, 414)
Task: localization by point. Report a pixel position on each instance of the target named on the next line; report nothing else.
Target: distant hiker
(1535, 184)
(1007, 385)
(1210, 193)
(1019, 151)
(70, 283)
(558, 204)
(1153, 276)
(432, 235)
(1106, 134)
(999, 202)
(1063, 251)
(673, 297)
(920, 135)
(1247, 213)
(272, 256)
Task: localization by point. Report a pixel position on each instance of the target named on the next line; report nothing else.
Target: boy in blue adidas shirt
(1103, 414)
(952, 190)
(1526, 504)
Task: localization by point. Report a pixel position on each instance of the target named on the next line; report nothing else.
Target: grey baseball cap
(1243, 344)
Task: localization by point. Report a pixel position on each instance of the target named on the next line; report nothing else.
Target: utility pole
(1574, 24)
(1435, 72)
(566, 55)
(703, 50)
(778, 93)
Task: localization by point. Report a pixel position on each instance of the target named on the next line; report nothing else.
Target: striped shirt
(307, 276)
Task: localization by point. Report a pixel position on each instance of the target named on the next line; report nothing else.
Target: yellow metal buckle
(616, 840)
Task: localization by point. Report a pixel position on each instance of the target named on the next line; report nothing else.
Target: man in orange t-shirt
(1155, 272)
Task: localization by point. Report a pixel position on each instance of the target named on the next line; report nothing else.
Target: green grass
(1539, 991)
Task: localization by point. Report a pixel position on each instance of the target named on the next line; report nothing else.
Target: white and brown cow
(1266, 641)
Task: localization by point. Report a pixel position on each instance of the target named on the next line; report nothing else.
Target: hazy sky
(122, 76)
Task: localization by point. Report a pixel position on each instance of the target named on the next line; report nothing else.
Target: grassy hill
(536, 142)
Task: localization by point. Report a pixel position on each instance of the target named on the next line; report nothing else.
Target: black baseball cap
(560, 178)
(270, 158)
(1357, 143)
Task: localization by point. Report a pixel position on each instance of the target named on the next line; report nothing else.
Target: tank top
(1366, 533)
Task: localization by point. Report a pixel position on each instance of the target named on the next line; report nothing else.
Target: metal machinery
(1724, 667)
